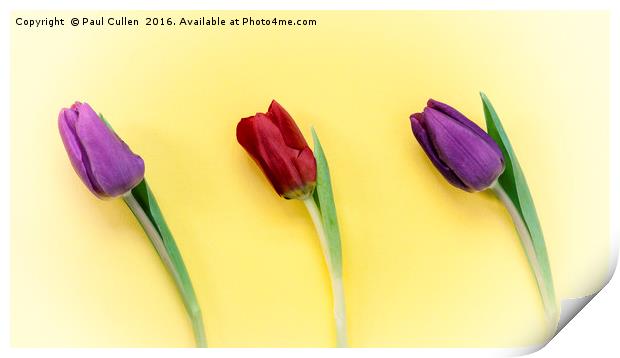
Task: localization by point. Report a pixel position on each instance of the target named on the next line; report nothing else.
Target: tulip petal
(473, 160)
(306, 165)
(283, 120)
(421, 135)
(458, 116)
(263, 140)
(67, 119)
(115, 168)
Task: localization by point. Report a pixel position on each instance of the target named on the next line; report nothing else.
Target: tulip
(275, 143)
(110, 169)
(462, 152)
(472, 160)
(100, 158)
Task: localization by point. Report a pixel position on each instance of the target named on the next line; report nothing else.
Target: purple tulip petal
(115, 168)
(66, 125)
(473, 160)
(458, 116)
(417, 120)
(101, 159)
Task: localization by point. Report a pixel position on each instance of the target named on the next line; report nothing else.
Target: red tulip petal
(263, 140)
(306, 165)
(283, 120)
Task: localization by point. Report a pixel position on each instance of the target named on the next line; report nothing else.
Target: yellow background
(424, 263)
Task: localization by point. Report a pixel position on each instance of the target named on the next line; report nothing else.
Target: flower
(100, 158)
(462, 152)
(280, 150)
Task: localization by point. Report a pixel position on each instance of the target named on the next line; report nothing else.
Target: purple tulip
(464, 154)
(100, 158)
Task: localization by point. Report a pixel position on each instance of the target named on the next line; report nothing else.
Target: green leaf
(147, 202)
(142, 203)
(514, 184)
(143, 194)
(324, 199)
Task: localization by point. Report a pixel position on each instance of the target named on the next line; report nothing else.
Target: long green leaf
(170, 255)
(146, 199)
(514, 184)
(324, 198)
(143, 194)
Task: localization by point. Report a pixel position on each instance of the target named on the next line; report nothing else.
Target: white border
(597, 334)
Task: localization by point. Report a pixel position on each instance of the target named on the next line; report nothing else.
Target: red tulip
(280, 150)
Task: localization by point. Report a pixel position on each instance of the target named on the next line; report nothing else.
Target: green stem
(334, 273)
(546, 290)
(181, 279)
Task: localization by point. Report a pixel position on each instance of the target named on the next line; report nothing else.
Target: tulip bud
(100, 158)
(280, 150)
(462, 152)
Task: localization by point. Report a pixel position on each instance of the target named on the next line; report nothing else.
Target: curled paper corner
(570, 307)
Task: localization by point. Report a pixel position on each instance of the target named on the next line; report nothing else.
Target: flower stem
(335, 274)
(180, 276)
(545, 288)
